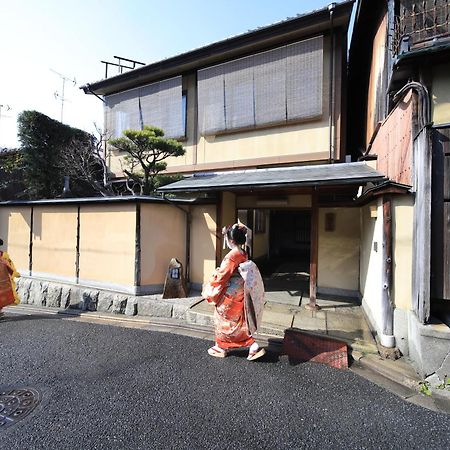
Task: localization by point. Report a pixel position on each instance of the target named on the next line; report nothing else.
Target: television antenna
(7, 108)
(60, 96)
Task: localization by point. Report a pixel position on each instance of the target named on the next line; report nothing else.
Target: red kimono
(8, 294)
(226, 292)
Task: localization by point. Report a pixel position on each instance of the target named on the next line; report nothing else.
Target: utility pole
(61, 96)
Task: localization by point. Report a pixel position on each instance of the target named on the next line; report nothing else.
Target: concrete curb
(400, 378)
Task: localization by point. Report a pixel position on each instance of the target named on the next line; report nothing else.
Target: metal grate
(421, 21)
(15, 404)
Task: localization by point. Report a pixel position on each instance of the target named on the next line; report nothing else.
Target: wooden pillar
(314, 253)
(137, 250)
(387, 309)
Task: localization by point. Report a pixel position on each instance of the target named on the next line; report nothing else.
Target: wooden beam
(387, 308)
(137, 252)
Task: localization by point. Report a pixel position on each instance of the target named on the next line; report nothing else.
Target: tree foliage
(146, 152)
(11, 174)
(43, 141)
(85, 163)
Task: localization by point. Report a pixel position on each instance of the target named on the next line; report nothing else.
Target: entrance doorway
(290, 239)
(281, 248)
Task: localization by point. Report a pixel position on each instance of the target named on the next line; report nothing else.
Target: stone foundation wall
(64, 296)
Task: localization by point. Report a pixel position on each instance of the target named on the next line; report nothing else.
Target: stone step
(274, 324)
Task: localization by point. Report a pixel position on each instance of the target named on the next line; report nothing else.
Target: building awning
(357, 173)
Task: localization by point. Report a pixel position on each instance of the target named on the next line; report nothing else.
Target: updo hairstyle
(237, 234)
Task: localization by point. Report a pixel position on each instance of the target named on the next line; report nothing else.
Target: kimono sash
(253, 294)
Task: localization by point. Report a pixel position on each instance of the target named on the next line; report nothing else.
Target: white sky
(71, 37)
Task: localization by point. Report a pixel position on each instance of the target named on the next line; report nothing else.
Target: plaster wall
(261, 240)
(15, 225)
(402, 245)
(203, 243)
(440, 94)
(308, 141)
(163, 237)
(370, 261)
(55, 241)
(107, 243)
(338, 259)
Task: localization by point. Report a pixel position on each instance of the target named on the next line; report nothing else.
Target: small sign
(175, 285)
(330, 221)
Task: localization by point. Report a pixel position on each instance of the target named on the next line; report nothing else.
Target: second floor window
(280, 85)
(160, 104)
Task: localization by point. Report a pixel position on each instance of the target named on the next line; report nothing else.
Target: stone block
(279, 319)
(304, 321)
(132, 307)
(152, 307)
(23, 289)
(37, 290)
(65, 297)
(44, 290)
(105, 301)
(89, 300)
(76, 300)
(119, 304)
(54, 296)
(179, 311)
(199, 319)
(348, 327)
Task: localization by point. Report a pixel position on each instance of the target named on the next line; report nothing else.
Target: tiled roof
(326, 174)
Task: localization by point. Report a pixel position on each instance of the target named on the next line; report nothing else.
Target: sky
(39, 38)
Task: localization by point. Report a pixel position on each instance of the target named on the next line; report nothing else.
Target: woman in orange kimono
(226, 292)
(8, 294)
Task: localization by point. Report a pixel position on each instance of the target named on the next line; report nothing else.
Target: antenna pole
(7, 109)
(62, 97)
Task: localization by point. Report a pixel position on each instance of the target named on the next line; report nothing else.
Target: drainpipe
(331, 8)
(387, 338)
(187, 238)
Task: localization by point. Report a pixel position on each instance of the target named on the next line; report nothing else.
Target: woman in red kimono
(8, 294)
(226, 292)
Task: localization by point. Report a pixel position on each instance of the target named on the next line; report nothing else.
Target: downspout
(424, 110)
(30, 244)
(331, 8)
(137, 250)
(422, 167)
(387, 338)
(187, 272)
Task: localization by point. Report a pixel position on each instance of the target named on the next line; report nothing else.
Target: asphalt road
(111, 387)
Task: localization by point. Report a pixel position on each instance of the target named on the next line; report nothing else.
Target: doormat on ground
(303, 347)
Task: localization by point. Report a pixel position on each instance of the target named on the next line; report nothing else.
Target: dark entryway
(287, 264)
(290, 237)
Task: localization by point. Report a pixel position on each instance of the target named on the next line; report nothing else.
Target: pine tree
(145, 154)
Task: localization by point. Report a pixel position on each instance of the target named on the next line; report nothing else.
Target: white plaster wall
(371, 262)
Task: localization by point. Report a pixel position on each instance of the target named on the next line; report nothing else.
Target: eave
(238, 46)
